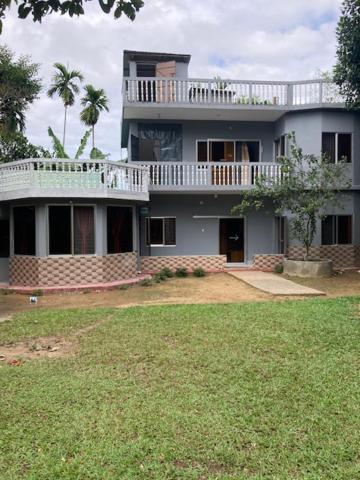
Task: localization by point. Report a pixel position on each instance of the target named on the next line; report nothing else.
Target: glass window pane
(327, 230)
(344, 229)
(344, 147)
(24, 230)
(84, 231)
(170, 233)
(247, 151)
(202, 152)
(60, 230)
(4, 239)
(155, 230)
(328, 146)
(134, 148)
(119, 230)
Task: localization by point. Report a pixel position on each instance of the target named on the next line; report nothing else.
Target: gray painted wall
(200, 236)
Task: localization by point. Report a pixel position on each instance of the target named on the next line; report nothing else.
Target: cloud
(242, 39)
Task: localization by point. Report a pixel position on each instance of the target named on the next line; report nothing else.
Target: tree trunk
(93, 136)
(64, 127)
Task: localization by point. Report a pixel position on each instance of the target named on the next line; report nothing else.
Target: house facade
(194, 145)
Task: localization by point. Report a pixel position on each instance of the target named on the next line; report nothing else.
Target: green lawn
(261, 391)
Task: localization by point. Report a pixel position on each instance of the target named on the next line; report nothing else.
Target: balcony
(209, 176)
(56, 178)
(271, 98)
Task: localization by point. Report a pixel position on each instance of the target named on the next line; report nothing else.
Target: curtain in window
(167, 137)
(84, 241)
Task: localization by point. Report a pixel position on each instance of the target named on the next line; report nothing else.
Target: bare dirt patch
(44, 347)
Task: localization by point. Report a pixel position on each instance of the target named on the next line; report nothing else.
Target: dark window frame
(334, 230)
(164, 240)
(72, 229)
(14, 249)
(131, 208)
(280, 146)
(336, 135)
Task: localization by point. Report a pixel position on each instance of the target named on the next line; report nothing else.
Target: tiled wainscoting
(210, 263)
(267, 262)
(342, 256)
(71, 270)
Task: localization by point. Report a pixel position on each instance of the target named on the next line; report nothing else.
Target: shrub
(279, 268)
(146, 282)
(160, 277)
(181, 272)
(124, 287)
(199, 272)
(167, 272)
(37, 293)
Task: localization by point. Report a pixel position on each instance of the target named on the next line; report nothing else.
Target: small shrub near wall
(199, 272)
(181, 272)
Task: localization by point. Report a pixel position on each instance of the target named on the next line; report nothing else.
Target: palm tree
(65, 86)
(94, 101)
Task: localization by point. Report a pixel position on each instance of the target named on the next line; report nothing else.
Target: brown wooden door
(222, 174)
(232, 239)
(165, 90)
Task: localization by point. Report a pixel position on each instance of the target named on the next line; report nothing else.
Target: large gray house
(194, 145)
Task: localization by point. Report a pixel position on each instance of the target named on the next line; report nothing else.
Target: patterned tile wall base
(267, 262)
(343, 256)
(76, 270)
(207, 262)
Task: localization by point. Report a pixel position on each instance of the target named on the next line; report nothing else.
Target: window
(134, 148)
(202, 151)
(24, 230)
(280, 146)
(4, 239)
(247, 151)
(337, 146)
(228, 150)
(159, 142)
(71, 230)
(119, 230)
(336, 230)
(280, 232)
(161, 231)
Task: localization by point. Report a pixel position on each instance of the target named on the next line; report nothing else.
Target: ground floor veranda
(70, 242)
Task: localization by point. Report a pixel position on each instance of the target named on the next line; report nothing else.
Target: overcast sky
(240, 39)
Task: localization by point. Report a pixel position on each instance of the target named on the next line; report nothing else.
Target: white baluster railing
(73, 175)
(229, 92)
(210, 174)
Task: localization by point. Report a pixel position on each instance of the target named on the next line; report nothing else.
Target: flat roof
(134, 55)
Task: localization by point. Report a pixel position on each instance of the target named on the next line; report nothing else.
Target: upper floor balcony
(56, 178)
(182, 97)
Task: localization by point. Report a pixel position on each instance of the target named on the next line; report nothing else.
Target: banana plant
(59, 151)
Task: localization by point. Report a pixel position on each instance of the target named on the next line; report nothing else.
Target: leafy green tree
(19, 87)
(65, 86)
(307, 186)
(15, 146)
(95, 101)
(38, 9)
(347, 68)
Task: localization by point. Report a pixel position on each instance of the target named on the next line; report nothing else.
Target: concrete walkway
(274, 284)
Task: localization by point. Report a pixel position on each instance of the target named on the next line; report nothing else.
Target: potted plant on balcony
(215, 91)
(306, 186)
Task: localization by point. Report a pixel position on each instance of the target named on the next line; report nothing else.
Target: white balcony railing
(213, 175)
(230, 92)
(73, 176)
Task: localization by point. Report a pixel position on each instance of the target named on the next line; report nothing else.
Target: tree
(307, 186)
(59, 151)
(94, 101)
(347, 68)
(38, 9)
(15, 146)
(19, 87)
(65, 86)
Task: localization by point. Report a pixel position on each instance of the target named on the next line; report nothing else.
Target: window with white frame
(160, 231)
(71, 230)
(212, 150)
(337, 146)
(336, 230)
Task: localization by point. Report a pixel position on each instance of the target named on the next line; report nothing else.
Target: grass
(246, 391)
